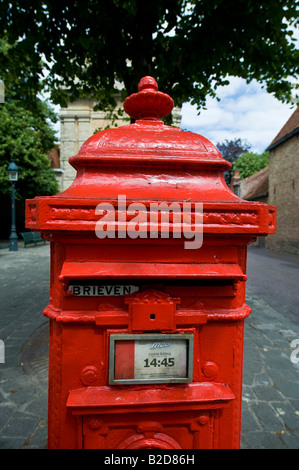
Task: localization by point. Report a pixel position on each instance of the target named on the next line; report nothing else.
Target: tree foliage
(189, 46)
(26, 133)
(26, 138)
(231, 151)
(249, 163)
(22, 78)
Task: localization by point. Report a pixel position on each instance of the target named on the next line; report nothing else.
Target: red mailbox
(147, 296)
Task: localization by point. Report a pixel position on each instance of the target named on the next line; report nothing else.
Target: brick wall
(284, 194)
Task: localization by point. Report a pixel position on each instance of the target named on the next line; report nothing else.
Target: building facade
(254, 188)
(78, 122)
(284, 186)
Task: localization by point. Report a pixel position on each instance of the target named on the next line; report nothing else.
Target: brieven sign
(101, 290)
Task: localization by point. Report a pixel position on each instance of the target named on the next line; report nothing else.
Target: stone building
(254, 188)
(284, 186)
(78, 122)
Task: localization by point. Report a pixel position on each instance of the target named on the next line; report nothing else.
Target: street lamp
(13, 177)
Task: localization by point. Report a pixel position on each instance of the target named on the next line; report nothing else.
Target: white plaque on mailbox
(150, 358)
(85, 290)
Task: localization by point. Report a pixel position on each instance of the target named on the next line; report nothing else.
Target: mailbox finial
(147, 83)
(148, 103)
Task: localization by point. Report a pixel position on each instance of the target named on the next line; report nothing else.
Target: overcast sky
(245, 111)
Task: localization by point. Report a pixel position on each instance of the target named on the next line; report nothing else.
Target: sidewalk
(271, 379)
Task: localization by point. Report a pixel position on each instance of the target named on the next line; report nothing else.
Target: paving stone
(291, 421)
(268, 419)
(248, 394)
(267, 393)
(288, 388)
(263, 440)
(38, 440)
(20, 425)
(249, 421)
(37, 407)
(291, 440)
(5, 414)
(11, 442)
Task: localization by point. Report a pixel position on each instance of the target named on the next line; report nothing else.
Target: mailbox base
(183, 417)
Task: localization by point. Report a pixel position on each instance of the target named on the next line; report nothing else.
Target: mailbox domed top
(149, 141)
(152, 163)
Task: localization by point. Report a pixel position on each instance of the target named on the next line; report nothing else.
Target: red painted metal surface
(196, 291)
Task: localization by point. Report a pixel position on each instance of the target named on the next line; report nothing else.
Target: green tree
(231, 151)
(22, 78)
(189, 46)
(26, 138)
(249, 163)
(26, 132)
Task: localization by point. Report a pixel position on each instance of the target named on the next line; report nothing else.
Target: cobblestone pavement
(274, 278)
(270, 417)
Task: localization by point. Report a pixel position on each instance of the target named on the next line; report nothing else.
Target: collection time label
(149, 358)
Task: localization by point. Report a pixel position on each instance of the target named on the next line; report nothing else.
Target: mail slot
(146, 330)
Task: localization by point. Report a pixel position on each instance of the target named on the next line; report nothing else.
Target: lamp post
(13, 177)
